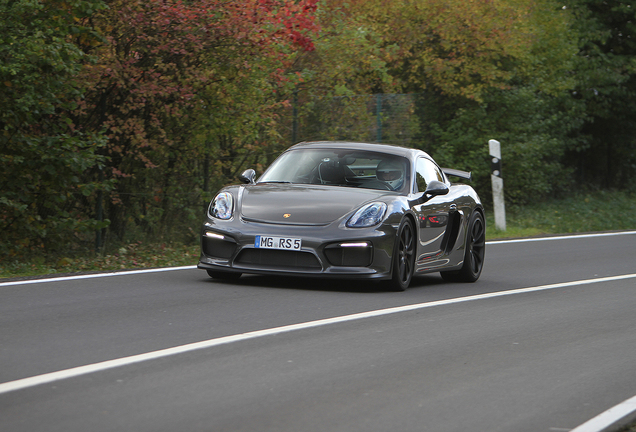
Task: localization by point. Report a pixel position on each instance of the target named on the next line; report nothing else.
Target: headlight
(222, 206)
(367, 216)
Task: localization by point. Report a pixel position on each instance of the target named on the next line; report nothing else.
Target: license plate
(266, 242)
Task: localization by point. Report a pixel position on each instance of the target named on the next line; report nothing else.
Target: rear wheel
(223, 275)
(475, 252)
(403, 256)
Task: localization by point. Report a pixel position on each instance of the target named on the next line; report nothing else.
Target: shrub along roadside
(581, 212)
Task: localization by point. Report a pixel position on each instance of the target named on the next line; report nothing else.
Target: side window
(426, 172)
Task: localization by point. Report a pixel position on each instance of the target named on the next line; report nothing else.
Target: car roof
(382, 148)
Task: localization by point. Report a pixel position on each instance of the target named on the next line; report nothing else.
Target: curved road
(438, 357)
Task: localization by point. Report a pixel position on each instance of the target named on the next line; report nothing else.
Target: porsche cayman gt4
(347, 210)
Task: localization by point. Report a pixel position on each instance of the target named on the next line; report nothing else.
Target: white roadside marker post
(497, 184)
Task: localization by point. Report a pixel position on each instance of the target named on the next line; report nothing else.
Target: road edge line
(561, 237)
(162, 269)
(95, 275)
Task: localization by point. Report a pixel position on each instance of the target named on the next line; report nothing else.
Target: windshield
(336, 167)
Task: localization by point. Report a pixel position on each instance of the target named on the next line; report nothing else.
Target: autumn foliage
(145, 77)
(120, 118)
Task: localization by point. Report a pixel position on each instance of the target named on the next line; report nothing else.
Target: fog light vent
(217, 245)
(352, 254)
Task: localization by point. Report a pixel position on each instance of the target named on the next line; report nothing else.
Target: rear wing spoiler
(457, 173)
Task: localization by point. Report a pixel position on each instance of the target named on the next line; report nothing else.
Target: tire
(223, 275)
(403, 256)
(475, 252)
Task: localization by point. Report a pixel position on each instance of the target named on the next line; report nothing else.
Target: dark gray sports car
(347, 210)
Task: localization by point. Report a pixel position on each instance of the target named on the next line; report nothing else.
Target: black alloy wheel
(403, 256)
(475, 252)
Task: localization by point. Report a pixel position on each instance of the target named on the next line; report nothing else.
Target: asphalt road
(544, 360)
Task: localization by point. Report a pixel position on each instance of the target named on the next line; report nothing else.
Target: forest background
(119, 119)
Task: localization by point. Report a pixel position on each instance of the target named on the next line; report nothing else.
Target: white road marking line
(133, 272)
(567, 237)
(97, 367)
(609, 417)
(95, 275)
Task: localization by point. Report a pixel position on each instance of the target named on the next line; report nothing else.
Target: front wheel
(403, 256)
(475, 252)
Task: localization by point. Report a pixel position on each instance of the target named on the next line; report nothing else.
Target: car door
(436, 216)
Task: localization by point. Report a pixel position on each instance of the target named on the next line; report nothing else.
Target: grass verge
(579, 213)
(132, 256)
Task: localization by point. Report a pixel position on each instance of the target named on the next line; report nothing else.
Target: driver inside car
(391, 172)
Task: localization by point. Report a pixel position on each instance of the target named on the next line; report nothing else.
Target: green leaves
(605, 74)
(43, 159)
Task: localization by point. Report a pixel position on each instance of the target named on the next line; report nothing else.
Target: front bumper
(327, 251)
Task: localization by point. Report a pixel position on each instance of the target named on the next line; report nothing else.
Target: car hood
(302, 204)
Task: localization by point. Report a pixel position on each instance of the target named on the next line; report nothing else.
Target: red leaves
(301, 21)
(293, 21)
(161, 55)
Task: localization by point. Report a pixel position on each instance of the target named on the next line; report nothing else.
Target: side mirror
(436, 188)
(248, 176)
